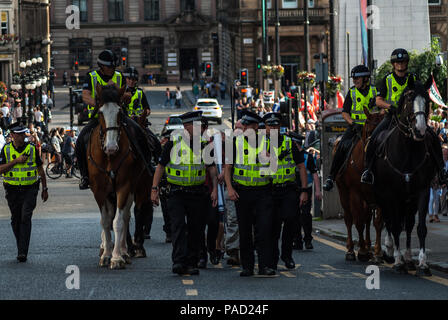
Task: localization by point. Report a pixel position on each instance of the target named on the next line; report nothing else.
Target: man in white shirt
(44, 98)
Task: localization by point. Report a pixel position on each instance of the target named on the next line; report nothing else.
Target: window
(116, 44)
(115, 10)
(187, 5)
(268, 4)
(81, 51)
(4, 22)
(434, 2)
(82, 5)
(289, 4)
(152, 50)
(311, 4)
(152, 10)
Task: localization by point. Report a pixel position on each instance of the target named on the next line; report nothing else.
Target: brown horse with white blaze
(114, 173)
(357, 199)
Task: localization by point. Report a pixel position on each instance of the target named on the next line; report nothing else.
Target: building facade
(241, 43)
(25, 34)
(438, 19)
(170, 39)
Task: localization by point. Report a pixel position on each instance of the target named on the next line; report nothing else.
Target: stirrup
(328, 185)
(365, 177)
(84, 183)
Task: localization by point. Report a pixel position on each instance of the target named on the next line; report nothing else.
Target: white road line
(191, 292)
(187, 282)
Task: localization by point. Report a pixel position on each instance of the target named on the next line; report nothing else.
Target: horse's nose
(111, 149)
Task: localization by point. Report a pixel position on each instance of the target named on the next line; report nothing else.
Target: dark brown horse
(117, 176)
(357, 198)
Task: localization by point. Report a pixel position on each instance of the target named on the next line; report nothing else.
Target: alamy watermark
(73, 281)
(373, 280)
(73, 20)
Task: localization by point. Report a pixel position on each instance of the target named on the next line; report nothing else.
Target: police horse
(403, 170)
(117, 175)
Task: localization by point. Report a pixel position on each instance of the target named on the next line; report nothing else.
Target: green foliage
(422, 64)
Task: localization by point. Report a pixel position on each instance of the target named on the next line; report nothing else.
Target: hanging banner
(435, 96)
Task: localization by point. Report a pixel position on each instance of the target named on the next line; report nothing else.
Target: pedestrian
(188, 198)
(20, 164)
(435, 192)
(223, 88)
(196, 91)
(68, 151)
(64, 78)
(178, 102)
(44, 99)
(251, 191)
(38, 117)
(285, 188)
(443, 199)
(2, 139)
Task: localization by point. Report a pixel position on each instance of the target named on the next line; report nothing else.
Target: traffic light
(208, 69)
(123, 61)
(259, 63)
(124, 56)
(76, 65)
(244, 77)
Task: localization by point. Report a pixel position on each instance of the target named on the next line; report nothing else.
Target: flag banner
(340, 99)
(434, 94)
(363, 22)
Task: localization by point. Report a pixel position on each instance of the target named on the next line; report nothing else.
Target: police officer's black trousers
(212, 223)
(166, 216)
(81, 146)
(285, 212)
(304, 219)
(342, 150)
(22, 202)
(371, 147)
(186, 235)
(254, 210)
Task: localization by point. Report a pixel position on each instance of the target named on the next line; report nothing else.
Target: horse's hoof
(117, 265)
(126, 258)
(400, 268)
(376, 260)
(101, 252)
(410, 265)
(350, 256)
(388, 259)
(423, 271)
(140, 253)
(104, 262)
(132, 252)
(363, 257)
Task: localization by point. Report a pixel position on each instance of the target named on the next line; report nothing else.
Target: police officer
(288, 158)
(250, 188)
(20, 165)
(185, 171)
(389, 94)
(361, 95)
(105, 75)
(139, 103)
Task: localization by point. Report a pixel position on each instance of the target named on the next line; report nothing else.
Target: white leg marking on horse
(105, 234)
(118, 231)
(397, 256)
(422, 259)
(389, 245)
(408, 255)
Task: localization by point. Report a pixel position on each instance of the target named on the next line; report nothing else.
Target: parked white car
(211, 109)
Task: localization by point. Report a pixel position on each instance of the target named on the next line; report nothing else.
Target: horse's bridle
(117, 128)
(406, 128)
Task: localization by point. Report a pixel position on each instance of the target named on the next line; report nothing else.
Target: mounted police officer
(186, 172)
(139, 103)
(285, 192)
(389, 94)
(105, 75)
(361, 95)
(251, 189)
(20, 165)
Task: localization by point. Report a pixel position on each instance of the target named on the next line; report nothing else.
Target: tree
(422, 65)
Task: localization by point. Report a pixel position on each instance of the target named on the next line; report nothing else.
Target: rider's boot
(328, 185)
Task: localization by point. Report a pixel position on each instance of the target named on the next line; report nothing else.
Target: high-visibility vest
(185, 168)
(359, 101)
(117, 79)
(309, 176)
(135, 108)
(22, 174)
(394, 89)
(286, 166)
(247, 170)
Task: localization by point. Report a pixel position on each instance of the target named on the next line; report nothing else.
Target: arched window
(81, 51)
(152, 50)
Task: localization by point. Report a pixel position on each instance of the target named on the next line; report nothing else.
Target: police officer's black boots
(328, 185)
(367, 176)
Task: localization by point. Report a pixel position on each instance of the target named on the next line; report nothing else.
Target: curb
(439, 266)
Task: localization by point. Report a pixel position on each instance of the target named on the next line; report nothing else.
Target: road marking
(433, 278)
(235, 267)
(287, 274)
(187, 282)
(333, 274)
(359, 275)
(191, 292)
(328, 267)
(315, 274)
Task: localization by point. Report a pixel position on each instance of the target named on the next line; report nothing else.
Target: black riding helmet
(360, 71)
(131, 73)
(106, 58)
(399, 55)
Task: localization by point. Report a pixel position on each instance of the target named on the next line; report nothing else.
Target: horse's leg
(378, 223)
(139, 233)
(368, 212)
(117, 261)
(398, 266)
(422, 268)
(410, 222)
(106, 222)
(357, 206)
(389, 242)
(126, 218)
(348, 218)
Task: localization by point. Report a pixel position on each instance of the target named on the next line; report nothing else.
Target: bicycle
(55, 169)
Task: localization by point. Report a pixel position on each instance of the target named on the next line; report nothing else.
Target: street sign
(321, 72)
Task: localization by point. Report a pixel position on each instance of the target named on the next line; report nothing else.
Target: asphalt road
(66, 232)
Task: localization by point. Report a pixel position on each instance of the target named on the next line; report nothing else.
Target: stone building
(170, 39)
(240, 34)
(438, 20)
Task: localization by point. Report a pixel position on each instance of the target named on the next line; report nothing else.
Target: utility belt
(238, 186)
(286, 185)
(192, 190)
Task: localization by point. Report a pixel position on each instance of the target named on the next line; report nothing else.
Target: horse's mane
(418, 89)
